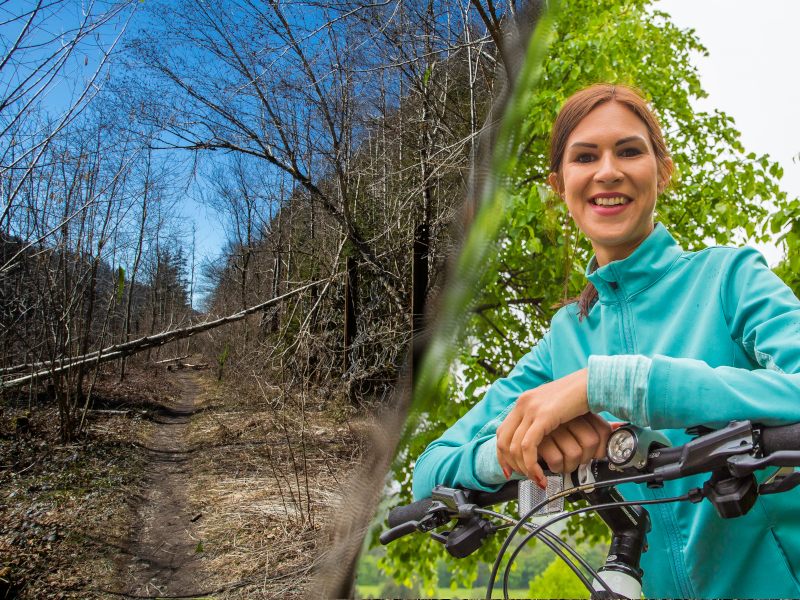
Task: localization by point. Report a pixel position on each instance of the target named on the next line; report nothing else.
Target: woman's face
(609, 180)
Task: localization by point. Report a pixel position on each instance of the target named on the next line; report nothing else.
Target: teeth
(610, 201)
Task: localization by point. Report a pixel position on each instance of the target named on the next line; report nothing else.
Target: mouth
(610, 200)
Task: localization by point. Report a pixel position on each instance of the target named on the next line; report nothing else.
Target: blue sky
(745, 74)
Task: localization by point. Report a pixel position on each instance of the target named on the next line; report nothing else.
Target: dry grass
(269, 468)
(65, 509)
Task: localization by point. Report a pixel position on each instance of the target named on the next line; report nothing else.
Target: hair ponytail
(586, 299)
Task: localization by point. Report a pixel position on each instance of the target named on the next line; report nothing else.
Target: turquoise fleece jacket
(676, 339)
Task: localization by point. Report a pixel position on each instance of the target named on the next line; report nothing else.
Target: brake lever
(744, 464)
(782, 483)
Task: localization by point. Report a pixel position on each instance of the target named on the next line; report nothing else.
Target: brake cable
(536, 532)
(552, 541)
(567, 492)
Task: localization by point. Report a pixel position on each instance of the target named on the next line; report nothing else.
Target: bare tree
(41, 43)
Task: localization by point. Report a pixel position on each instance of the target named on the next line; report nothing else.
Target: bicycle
(731, 456)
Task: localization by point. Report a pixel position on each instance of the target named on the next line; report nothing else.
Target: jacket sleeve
(763, 317)
(452, 460)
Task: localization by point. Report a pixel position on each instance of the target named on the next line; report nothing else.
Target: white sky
(751, 73)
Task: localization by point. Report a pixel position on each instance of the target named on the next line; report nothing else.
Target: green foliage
(223, 356)
(557, 581)
(720, 194)
(787, 220)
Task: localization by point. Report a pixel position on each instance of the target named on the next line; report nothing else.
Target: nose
(607, 169)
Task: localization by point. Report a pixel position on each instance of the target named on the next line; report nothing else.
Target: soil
(164, 554)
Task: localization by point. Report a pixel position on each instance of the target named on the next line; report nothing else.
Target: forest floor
(183, 486)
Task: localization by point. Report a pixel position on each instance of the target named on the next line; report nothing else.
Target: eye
(584, 157)
(631, 151)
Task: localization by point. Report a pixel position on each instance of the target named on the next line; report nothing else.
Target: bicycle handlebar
(416, 511)
(780, 438)
(730, 455)
(704, 453)
(409, 512)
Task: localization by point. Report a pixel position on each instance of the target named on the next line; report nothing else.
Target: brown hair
(580, 104)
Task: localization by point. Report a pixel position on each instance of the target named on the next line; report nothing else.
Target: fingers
(516, 448)
(505, 435)
(586, 438)
(529, 447)
(550, 454)
(518, 438)
(570, 448)
(574, 443)
(604, 430)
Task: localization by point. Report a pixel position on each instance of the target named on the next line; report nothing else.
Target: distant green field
(373, 591)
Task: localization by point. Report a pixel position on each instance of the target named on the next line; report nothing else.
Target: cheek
(573, 183)
(647, 177)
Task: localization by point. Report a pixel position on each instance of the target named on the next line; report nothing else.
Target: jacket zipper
(662, 513)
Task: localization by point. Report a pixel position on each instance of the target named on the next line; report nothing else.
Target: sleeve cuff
(618, 385)
(487, 468)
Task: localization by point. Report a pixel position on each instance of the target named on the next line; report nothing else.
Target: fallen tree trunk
(126, 349)
(173, 359)
(180, 365)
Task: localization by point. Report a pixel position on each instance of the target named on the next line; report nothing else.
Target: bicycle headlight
(621, 446)
(630, 445)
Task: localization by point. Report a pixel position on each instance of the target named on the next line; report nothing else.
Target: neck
(606, 254)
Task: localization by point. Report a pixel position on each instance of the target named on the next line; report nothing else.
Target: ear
(555, 183)
(666, 175)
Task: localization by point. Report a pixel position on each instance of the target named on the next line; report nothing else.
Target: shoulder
(723, 254)
(566, 316)
(722, 261)
(743, 280)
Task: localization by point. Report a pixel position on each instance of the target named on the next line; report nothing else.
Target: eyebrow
(631, 138)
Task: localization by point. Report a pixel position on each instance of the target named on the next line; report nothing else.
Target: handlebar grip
(387, 537)
(784, 437)
(409, 512)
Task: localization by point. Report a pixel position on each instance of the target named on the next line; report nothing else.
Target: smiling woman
(661, 337)
(609, 162)
(608, 153)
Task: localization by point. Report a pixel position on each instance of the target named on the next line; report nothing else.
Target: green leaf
(427, 75)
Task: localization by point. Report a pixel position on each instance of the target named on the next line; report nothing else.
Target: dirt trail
(164, 558)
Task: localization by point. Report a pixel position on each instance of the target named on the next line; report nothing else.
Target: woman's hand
(551, 422)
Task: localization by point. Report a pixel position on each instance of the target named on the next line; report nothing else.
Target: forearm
(665, 392)
(453, 458)
(464, 466)
(683, 392)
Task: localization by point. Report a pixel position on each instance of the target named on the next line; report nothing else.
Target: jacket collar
(647, 264)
